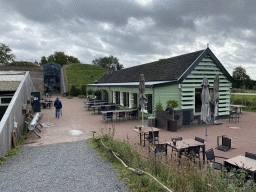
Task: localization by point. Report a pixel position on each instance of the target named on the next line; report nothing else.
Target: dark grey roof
(161, 70)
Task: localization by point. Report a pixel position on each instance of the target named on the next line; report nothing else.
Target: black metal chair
(112, 107)
(226, 143)
(233, 115)
(211, 157)
(134, 115)
(194, 152)
(109, 115)
(121, 115)
(250, 155)
(102, 108)
(151, 137)
(160, 150)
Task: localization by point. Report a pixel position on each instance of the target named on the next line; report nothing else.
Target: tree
(105, 62)
(59, 58)
(43, 60)
(5, 55)
(239, 73)
(241, 78)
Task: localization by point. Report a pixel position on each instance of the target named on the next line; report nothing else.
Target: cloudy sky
(134, 31)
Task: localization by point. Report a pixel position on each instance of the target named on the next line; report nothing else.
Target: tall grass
(239, 90)
(248, 100)
(183, 176)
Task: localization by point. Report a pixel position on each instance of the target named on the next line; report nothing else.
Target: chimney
(111, 68)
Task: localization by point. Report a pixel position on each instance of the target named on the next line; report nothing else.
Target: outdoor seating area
(122, 114)
(46, 103)
(247, 162)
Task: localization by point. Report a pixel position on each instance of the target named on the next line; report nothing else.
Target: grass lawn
(82, 74)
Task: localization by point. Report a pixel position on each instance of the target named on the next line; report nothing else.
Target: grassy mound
(78, 75)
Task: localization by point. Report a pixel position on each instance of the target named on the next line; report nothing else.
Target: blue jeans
(58, 113)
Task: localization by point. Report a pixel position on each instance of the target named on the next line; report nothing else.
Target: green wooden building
(176, 78)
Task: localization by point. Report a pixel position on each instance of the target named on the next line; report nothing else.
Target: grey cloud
(171, 28)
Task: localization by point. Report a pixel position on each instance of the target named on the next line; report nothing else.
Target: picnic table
(242, 162)
(89, 104)
(46, 103)
(238, 108)
(182, 145)
(100, 105)
(117, 111)
(145, 131)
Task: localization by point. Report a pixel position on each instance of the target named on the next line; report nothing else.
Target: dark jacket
(57, 104)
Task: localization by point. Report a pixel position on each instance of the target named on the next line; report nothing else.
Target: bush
(90, 92)
(74, 91)
(159, 106)
(83, 90)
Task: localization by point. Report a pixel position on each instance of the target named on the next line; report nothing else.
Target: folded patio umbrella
(205, 109)
(216, 98)
(142, 96)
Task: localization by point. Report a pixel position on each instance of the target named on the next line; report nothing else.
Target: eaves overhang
(131, 84)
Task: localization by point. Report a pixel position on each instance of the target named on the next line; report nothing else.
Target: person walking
(58, 106)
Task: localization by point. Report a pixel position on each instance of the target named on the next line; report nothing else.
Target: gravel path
(71, 166)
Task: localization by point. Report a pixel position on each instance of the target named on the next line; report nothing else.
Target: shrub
(159, 106)
(83, 90)
(74, 91)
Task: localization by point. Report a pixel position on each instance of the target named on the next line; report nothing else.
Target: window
(114, 97)
(135, 99)
(130, 99)
(117, 97)
(124, 99)
(149, 103)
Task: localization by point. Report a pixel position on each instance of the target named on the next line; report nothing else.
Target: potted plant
(174, 142)
(171, 104)
(139, 127)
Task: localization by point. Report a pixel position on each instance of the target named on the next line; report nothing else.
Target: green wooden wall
(207, 67)
(183, 93)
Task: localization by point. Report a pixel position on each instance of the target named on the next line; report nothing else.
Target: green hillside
(81, 74)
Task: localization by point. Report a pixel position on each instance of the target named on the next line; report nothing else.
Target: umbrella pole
(206, 132)
(142, 114)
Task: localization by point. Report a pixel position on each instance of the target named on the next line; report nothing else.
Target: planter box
(172, 125)
(80, 96)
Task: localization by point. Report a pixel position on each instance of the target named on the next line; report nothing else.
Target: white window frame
(114, 97)
(4, 104)
(130, 99)
(121, 98)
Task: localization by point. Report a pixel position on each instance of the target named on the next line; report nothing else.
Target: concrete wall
(36, 73)
(14, 114)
